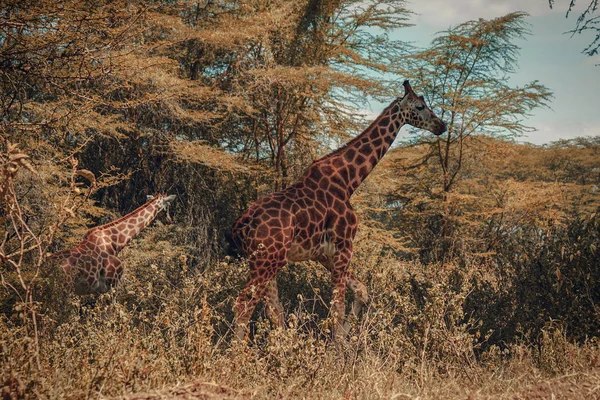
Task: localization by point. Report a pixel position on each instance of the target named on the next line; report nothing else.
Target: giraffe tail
(231, 248)
(60, 255)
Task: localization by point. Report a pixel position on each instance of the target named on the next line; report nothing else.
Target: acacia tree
(465, 77)
(289, 71)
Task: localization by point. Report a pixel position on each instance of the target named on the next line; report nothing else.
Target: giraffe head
(163, 201)
(416, 113)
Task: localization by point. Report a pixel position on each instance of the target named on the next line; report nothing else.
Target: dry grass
(165, 333)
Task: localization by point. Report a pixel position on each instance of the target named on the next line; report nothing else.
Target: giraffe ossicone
(313, 219)
(93, 266)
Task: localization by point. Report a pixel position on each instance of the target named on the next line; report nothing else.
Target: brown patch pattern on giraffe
(92, 267)
(313, 219)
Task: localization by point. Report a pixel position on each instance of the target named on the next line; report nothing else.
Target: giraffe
(93, 266)
(313, 218)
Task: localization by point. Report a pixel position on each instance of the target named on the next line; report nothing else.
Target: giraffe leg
(338, 303)
(68, 266)
(358, 288)
(273, 307)
(85, 275)
(101, 285)
(341, 278)
(245, 304)
(361, 297)
(252, 292)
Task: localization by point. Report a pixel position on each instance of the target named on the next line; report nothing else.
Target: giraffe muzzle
(440, 128)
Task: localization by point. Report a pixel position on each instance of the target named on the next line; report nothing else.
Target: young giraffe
(313, 219)
(92, 267)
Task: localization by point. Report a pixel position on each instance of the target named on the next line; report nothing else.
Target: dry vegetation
(518, 321)
(480, 255)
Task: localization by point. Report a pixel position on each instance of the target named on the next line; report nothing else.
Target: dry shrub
(474, 324)
(169, 324)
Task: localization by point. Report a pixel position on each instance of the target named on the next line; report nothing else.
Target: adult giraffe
(93, 266)
(313, 219)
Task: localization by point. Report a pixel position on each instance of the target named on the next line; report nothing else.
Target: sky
(548, 55)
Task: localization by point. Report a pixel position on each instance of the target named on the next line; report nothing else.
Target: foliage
(465, 74)
(131, 87)
(169, 323)
(525, 218)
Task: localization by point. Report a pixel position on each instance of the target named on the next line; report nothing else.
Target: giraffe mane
(358, 137)
(118, 220)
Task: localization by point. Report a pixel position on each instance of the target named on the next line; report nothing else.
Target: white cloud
(593, 60)
(562, 129)
(440, 14)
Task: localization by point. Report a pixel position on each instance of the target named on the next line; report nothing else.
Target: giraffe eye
(420, 108)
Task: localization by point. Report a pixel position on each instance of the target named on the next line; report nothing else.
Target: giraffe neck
(347, 167)
(124, 229)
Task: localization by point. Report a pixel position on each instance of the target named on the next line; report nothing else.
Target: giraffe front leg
(338, 304)
(252, 292)
(339, 264)
(358, 288)
(361, 297)
(273, 307)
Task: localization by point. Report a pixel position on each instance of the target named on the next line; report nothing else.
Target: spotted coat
(93, 266)
(314, 220)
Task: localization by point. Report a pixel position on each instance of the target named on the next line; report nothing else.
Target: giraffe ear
(149, 197)
(170, 198)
